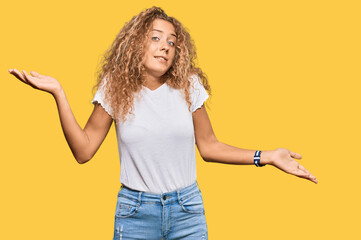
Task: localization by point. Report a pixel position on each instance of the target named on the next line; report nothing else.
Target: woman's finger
(35, 74)
(302, 167)
(295, 155)
(300, 173)
(304, 173)
(18, 75)
(30, 79)
(305, 170)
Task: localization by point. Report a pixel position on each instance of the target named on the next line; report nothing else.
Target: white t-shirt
(157, 145)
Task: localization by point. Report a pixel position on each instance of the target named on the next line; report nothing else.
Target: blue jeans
(169, 216)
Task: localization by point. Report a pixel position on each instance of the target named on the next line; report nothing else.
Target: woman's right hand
(83, 143)
(38, 81)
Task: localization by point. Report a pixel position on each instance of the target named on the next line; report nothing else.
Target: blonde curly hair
(122, 64)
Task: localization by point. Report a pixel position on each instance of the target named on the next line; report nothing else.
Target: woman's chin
(157, 73)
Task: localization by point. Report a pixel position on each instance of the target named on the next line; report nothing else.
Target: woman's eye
(157, 38)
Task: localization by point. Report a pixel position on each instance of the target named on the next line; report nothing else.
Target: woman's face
(159, 48)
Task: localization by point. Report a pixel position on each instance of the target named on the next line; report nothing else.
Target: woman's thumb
(35, 74)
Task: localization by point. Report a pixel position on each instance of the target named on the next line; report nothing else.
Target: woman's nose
(164, 46)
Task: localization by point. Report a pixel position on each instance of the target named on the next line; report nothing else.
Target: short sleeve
(99, 98)
(198, 93)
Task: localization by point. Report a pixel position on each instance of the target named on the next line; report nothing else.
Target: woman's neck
(152, 82)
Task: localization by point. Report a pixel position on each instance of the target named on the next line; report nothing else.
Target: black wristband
(257, 158)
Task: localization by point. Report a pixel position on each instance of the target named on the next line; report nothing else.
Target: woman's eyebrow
(162, 32)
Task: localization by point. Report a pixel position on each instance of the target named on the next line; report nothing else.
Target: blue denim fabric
(169, 216)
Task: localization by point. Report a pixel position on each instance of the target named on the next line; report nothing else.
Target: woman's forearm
(223, 153)
(281, 158)
(75, 136)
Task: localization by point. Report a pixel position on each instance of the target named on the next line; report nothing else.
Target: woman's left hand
(283, 159)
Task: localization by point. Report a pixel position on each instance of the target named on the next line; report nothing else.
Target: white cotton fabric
(157, 145)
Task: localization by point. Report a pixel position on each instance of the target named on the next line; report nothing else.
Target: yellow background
(283, 74)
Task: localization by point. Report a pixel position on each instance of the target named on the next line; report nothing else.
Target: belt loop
(199, 188)
(140, 197)
(179, 200)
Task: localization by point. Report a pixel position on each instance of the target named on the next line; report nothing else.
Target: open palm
(284, 160)
(37, 81)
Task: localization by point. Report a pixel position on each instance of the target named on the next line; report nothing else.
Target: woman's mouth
(161, 59)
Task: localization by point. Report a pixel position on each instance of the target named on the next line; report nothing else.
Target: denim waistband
(168, 197)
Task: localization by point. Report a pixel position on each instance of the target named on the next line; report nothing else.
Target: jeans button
(164, 197)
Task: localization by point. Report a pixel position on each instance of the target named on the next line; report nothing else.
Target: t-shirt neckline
(155, 90)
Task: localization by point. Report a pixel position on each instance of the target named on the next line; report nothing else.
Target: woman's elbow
(206, 149)
(83, 158)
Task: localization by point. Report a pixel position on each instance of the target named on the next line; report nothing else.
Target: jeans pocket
(193, 203)
(126, 207)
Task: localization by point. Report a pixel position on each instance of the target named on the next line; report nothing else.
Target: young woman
(149, 85)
